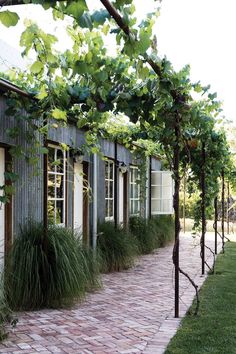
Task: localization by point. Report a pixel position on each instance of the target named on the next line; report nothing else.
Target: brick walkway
(133, 313)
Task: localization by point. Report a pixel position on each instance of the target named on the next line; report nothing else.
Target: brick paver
(132, 313)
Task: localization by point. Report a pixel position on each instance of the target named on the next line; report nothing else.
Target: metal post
(227, 215)
(184, 202)
(203, 207)
(147, 188)
(215, 223)
(95, 209)
(223, 210)
(176, 210)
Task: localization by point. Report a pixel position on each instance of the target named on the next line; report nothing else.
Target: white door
(121, 197)
(2, 209)
(78, 198)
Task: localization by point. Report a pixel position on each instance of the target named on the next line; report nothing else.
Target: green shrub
(152, 233)
(49, 271)
(116, 248)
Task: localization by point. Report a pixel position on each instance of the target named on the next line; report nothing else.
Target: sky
(201, 33)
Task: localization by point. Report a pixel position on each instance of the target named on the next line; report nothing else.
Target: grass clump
(152, 233)
(48, 271)
(6, 318)
(116, 248)
(213, 330)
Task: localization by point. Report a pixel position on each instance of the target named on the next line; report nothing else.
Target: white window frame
(63, 174)
(162, 185)
(108, 198)
(134, 184)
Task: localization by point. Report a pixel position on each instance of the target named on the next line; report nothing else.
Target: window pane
(131, 207)
(59, 186)
(59, 161)
(136, 207)
(111, 208)
(111, 170)
(51, 186)
(166, 179)
(156, 206)
(107, 208)
(111, 189)
(106, 189)
(59, 212)
(156, 192)
(131, 175)
(156, 178)
(136, 191)
(51, 211)
(51, 158)
(166, 192)
(131, 191)
(106, 170)
(167, 206)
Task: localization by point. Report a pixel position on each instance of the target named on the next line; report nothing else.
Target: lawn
(214, 329)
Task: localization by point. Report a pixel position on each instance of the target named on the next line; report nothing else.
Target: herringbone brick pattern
(132, 313)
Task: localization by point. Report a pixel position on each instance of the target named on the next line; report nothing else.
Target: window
(162, 192)
(134, 191)
(56, 185)
(109, 189)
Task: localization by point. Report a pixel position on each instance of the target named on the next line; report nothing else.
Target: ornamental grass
(5, 312)
(117, 248)
(51, 270)
(152, 233)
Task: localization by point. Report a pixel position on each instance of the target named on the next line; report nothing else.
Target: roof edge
(7, 85)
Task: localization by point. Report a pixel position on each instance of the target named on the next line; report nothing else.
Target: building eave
(8, 86)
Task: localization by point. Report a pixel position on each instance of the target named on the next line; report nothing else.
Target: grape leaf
(9, 18)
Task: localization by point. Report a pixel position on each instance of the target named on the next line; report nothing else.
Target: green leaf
(100, 16)
(197, 88)
(102, 75)
(43, 150)
(81, 122)
(9, 18)
(105, 29)
(64, 147)
(144, 41)
(9, 189)
(4, 199)
(77, 8)
(80, 67)
(11, 176)
(42, 93)
(85, 21)
(119, 3)
(212, 96)
(37, 67)
(59, 114)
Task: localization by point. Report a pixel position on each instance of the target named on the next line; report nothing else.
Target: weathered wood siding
(28, 197)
